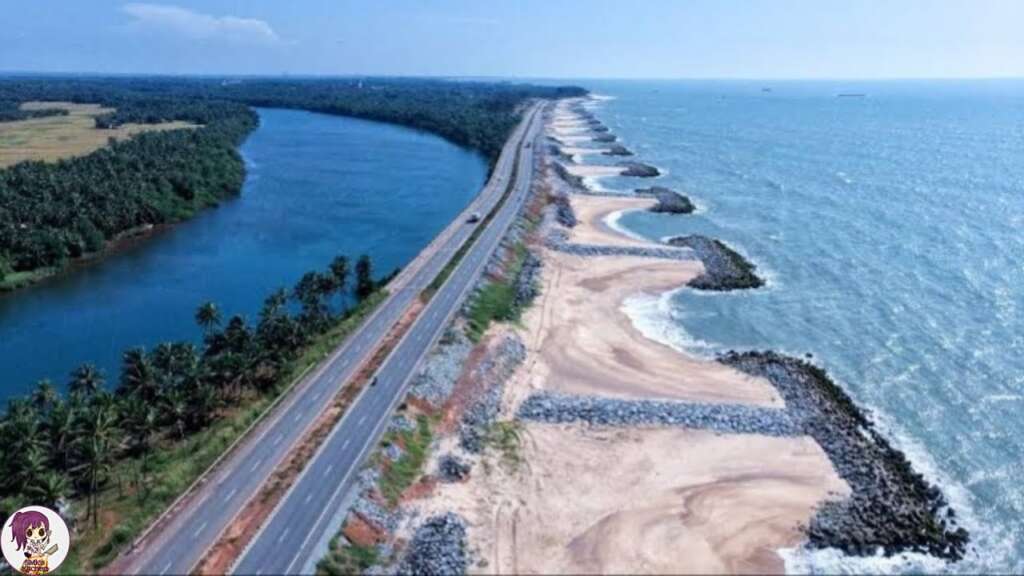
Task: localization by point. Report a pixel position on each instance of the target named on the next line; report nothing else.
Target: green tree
(97, 443)
(364, 277)
(208, 317)
(86, 380)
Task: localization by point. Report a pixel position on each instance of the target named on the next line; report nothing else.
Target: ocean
(889, 227)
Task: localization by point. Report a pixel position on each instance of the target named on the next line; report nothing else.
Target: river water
(890, 230)
(317, 186)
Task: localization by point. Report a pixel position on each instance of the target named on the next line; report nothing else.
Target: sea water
(890, 227)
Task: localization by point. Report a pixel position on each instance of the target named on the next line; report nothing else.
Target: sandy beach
(628, 499)
(595, 214)
(586, 170)
(587, 501)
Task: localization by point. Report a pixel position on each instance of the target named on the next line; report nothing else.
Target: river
(317, 186)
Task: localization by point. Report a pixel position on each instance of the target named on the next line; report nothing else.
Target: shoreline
(924, 521)
(574, 439)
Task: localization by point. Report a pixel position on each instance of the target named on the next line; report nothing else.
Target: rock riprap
(669, 201)
(724, 268)
(437, 548)
(891, 507)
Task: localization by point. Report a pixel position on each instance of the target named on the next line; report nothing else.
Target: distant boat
(851, 95)
(766, 89)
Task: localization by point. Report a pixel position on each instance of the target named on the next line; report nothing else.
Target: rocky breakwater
(438, 547)
(617, 150)
(639, 170)
(558, 240)
(554, 408)
(606, 137)
(724, 268)
(892, 507)
(669, 201)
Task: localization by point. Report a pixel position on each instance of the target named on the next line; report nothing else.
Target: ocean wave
(655, 318)
(612, 221)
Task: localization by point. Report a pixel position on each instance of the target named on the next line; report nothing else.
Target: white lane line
(297, 417)
(231, 495)
(200, 530)
(283, 534)
(317, 395)
(361, 420)
(328, 470)
(166, 568)
(256, 465)
(309, 497)
(345, 445)
(279, 438)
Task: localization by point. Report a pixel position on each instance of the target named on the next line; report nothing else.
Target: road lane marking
(256, 465)
(283, 534)
(361, 420)
(279, 438)
(309, 497)
(231, 494)
(166, 568)
(200, 530)
(297, 417)
(345, 445)
(328, 470)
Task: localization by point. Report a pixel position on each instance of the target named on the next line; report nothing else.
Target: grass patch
(16, 280)
(505, 437)
(347, 559)
(51, 138)
(496, 301)
(401, 474)
(127, 506)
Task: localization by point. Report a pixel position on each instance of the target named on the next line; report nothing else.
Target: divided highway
(182, 536)
(293, 538)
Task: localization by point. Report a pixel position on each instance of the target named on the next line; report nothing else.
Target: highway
(290, 541)
(179, 539)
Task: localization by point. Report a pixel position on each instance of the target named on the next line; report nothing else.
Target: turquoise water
(890, 229)
(317, 186)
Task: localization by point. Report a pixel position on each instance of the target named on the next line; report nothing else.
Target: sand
(588, 170)
(595, 214)
(581, 342)
(640, 501)
(578, 151)
(629, 500)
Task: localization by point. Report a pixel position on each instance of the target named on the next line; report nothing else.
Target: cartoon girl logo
(35, 540)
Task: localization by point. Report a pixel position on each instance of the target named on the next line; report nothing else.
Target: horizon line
(279, 75)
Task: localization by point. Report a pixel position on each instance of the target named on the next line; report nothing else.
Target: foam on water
(888, 231)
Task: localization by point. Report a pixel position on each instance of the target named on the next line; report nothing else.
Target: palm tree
(208, 317)
(339, 272)
(97, 443)
(49, 488)
(44, 396)
(137, 375)
(60, 425)
(86, 380)
(176, 408)
(364, 277)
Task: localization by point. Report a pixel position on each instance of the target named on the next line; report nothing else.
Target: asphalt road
(308, 514)
(182, 538)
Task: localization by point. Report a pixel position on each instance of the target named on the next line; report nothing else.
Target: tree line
(56, 446)
(50, 213)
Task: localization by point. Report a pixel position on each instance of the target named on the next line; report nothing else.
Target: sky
(520, 38)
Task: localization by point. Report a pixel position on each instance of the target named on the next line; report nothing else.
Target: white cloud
(200, 26)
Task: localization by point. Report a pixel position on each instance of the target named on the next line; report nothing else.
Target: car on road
(473, 218)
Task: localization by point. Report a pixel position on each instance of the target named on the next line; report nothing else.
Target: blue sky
(522, 38)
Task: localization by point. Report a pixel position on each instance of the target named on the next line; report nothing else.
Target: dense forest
(50, 213)
(57, 447)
